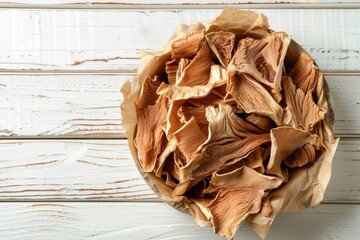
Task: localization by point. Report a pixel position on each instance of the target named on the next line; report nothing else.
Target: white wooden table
(65, 170)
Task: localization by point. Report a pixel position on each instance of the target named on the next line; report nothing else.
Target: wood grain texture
(88, 105)
(89, 40)
(164, 2)
(61, 105)
(58, 221)
(69, 170)
(74, 170)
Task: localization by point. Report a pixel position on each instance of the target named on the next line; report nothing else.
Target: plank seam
(185, 6)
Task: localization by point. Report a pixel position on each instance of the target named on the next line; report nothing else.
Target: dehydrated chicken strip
(263, 59)
(149, 137)
(230, 208)
(171, 70)
(254, 98)
(304, 112)
(198, 71)
(243, 177)
(304, 73)
(266, 207)
(148, 90)
(284, 141)
(301, 156)
(213, 156)
(189, 46)
(189, 137)
(218, 76)
(221, 44)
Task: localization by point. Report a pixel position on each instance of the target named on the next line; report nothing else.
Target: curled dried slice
(166, 152)
(189, 46)
(255, 160)
(266, 207)
(171, 70)
(148, 90)
(198, 71)
(218, 76)
(230, 208)
(243, 177)
(254, 98)
(150, 135)
(263, 59)
(301, 156)
(304, 112)
(213, 156)
(261, 122)
(304, 73)
(222, 44)
(284, 141)
(189, 138)
(197, 213)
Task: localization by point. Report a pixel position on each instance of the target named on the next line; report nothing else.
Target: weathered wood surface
(73, 170)
(88, 105)
(110, 40)
(147, 221)
(168, 4)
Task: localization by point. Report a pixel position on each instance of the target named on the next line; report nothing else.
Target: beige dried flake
(231, 121)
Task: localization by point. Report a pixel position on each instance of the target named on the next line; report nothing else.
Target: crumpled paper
(306, 186)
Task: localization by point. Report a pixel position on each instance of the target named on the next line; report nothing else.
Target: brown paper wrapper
(306, 186)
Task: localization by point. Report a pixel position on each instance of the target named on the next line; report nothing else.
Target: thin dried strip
(243, 177)
(223, 120)
(199, 113)
(266, 208)
(304, 73)
(214, 156)
(198, 71)
(230, 208)
(171, 69)
(218, 76)
(263, 59)
(262, 122)
(197, 212)
(284, 141)
(222, 45)
(189, 138)
(148, 90)
(301, 156)
(166, 152)
(150, 135)
(304, 111)
(254, 98)
(173, 122)
(255, 160)
(189, 46)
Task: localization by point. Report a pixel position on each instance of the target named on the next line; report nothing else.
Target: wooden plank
(163, 2)
(69, 170)
(88, 105)
(158, 221)
(90, 40)
(61, 105)
(61, 170)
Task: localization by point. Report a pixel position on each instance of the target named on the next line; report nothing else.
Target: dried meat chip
(222, 45)
(150, 135)
(188, 46)
(230, 208)
(243, 177)
(148, 90)
(254, 98)
(284, 141)
(304, 111)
